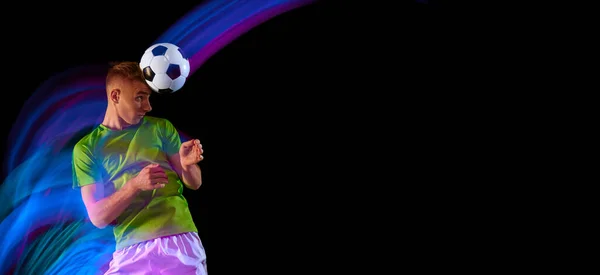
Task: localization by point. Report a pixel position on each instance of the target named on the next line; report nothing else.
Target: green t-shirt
(110, 158)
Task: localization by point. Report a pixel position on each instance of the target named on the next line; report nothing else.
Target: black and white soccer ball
(165, 67)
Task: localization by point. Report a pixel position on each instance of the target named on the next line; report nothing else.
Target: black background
(266, 107)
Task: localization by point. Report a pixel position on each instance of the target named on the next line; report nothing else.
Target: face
(134, 102)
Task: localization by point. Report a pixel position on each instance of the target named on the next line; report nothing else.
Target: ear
(115, 95)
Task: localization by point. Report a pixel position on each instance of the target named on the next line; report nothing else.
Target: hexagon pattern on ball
(165, 67)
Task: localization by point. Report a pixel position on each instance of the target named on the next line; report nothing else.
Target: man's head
(128, 92)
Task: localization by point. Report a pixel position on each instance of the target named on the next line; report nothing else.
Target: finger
(155, 169)
(158, 174)
(160, 179)
(158, 186)
(189, 143)
(152, 165)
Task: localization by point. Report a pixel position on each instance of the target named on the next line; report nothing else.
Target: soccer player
(132, 169)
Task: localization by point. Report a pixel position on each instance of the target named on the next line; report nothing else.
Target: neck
(113, 121)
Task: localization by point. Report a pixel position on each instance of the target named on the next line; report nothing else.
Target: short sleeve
(172, 141)
(84, 167)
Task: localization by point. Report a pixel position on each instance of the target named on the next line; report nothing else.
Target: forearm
(192, 176)
(108, 209)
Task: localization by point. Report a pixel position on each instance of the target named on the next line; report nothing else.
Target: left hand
(190, 152)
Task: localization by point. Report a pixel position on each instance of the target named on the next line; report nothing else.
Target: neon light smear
(43, 218)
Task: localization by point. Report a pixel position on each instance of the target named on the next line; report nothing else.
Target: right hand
(151, 177)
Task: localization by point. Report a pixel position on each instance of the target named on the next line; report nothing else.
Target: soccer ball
(165, 67)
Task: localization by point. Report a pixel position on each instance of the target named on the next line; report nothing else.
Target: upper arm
(171, 144)
(84, 166)
(171, 140)
(86, 176)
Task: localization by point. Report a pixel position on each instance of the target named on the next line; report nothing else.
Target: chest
(130, 151)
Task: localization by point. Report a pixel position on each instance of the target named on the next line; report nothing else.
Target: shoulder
(88, 141)
(158, 121)
(155, 120)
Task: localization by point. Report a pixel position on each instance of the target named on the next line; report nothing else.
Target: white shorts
(177, 254)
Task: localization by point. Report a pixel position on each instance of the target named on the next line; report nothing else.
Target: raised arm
(186, 161)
